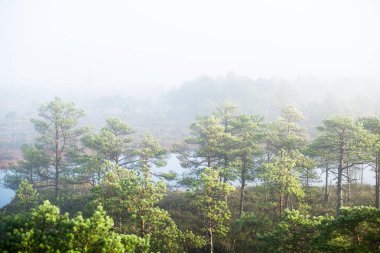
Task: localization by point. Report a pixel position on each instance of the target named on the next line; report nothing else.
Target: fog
(142, 48)
(140, 59)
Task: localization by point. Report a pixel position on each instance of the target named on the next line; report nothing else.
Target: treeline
(168, 114)
(110, 171)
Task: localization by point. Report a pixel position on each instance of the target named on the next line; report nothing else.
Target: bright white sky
(166, 42)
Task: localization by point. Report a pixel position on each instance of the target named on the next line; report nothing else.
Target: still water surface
(6, 195)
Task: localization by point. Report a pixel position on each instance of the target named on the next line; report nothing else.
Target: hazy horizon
(144, 47)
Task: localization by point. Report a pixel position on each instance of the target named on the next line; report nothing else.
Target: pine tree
(285, 133)
(247, 133)
(113, 143)
(282, 177)
(209, 193)
(348, 142)
(52, 157)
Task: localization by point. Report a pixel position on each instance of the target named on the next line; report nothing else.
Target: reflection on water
(6, 195)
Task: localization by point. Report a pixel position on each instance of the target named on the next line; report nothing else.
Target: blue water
(6, 195)
(172, 165)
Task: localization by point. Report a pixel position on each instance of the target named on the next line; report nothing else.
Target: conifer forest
(190, 127)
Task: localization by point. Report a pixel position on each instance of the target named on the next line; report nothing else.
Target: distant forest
(167, 115)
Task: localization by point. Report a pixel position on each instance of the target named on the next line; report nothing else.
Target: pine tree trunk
(56, 162)
(142, 228)
(326, 187)
(56, 183)
(339, 197)
(307, 186)
(362, 174)
(208, 154)
(286, 201)
(243, 175)
(241, 197)
(348, 186)
(210, 236)
(377, 186)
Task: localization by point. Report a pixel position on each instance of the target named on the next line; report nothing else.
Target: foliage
(206, 140)
(247, 151)
(210, 197)
(28, 168)
(245, 231)
(282, 177)
(58, 140)
(347, 142)
(131, 201)
(113, 142)
(44, 229)
(285, 133)
(354, 230)
(111, 169)
(25, 199)
(294, 233)
(147, 153)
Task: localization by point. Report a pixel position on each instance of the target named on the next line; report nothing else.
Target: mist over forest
(168, 113)
(190, 126)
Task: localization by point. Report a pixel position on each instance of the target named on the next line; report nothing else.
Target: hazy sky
(144, 43)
